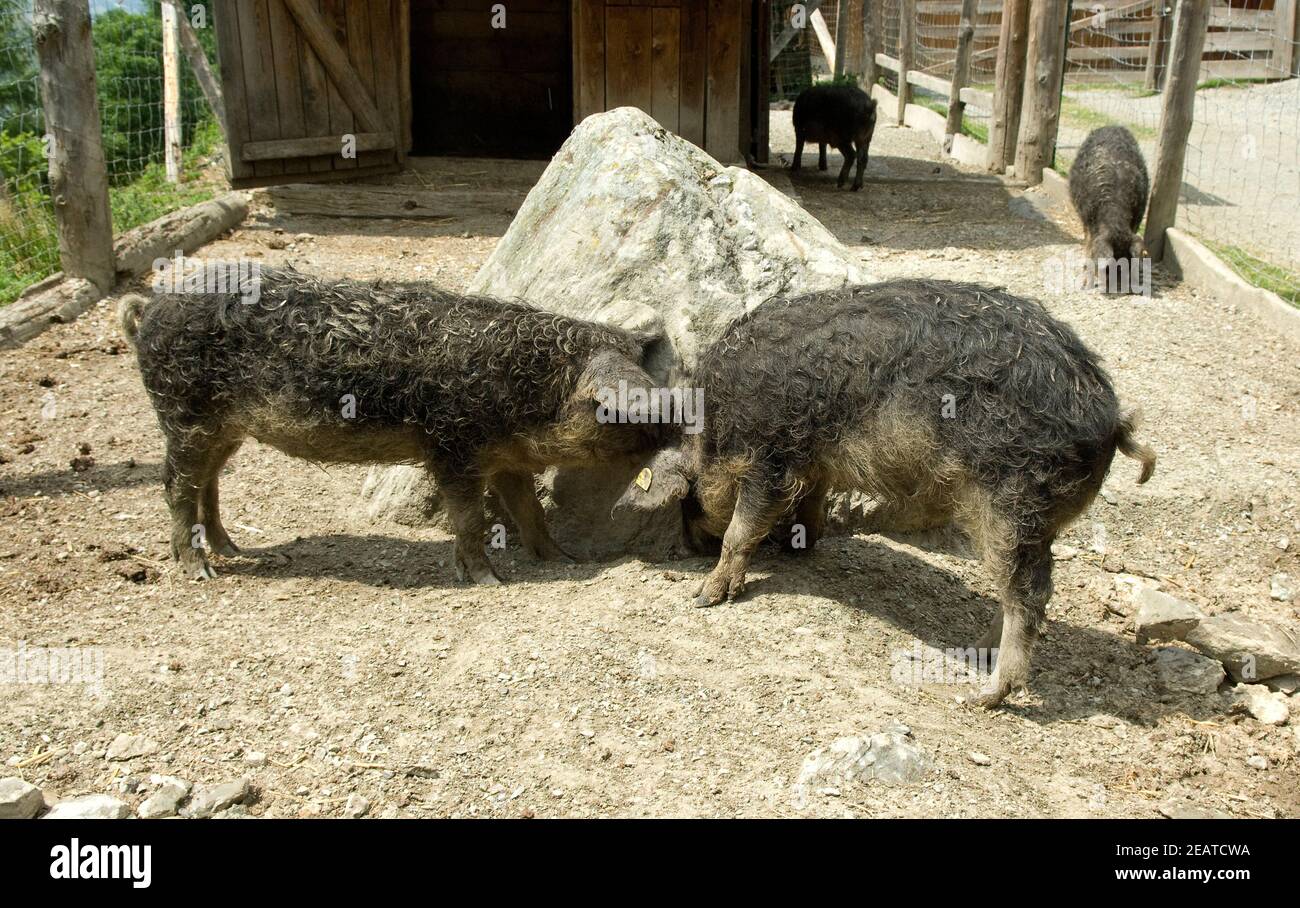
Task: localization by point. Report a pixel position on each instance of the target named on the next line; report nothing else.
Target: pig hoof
(991, 697)
(199, 571)
(856, 187)
(225, 548)
(702, 601)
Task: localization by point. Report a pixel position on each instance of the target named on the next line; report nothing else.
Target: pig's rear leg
(187, 469)
(517, 493)
(759, 505)
(821, 156)
(209, 508)
(1024, 609)
(850, 156)
(464, 499)
(797, 163)
(801, 534)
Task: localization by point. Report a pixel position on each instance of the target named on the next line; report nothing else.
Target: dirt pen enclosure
(338, 666)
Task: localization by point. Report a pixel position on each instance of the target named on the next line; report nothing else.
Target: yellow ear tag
(643, 479)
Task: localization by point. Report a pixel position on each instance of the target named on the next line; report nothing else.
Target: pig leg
(463, 495)
(821, 156)
(797, 164)
(862, 165)
(758, 506)
(849, 157)
(209, 510)
(516, 492)
(187, 466)
(1024, 609)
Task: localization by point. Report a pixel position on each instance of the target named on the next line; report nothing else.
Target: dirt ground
(337, 659)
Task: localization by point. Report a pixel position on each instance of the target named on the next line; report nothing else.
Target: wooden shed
(334, 89)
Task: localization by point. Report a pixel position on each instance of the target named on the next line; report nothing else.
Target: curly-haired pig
(479, 392)
(835, 114)
(1109, 188)
(943, 401)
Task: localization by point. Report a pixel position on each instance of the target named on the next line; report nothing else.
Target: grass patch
(1081, 116)
(1231, 83)
(29, 244)
(976, 131)
(1282, 281)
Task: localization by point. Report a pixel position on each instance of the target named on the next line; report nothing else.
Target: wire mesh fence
(128, 41)
(1241, 182)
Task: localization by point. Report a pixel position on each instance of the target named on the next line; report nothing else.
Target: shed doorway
(480, 91)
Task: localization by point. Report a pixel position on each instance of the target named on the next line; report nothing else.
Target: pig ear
(601, 380)
(663, 480)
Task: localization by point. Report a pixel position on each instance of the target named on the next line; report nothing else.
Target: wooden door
(314, 89)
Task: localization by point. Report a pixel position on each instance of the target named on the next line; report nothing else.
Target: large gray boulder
(633, 226)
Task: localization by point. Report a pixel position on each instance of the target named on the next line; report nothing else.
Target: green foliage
(1282, 281)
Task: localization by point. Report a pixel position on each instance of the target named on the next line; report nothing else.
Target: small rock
(1062, 552)
(19, 800)
(166, 801)
(356, 807)
(1183, 671)
(1281, 588)
(89, 807)
(1284, 543)
(213, 800)
(1112, 564)
(1265, 705)
(129, 747)
(1162, 617)
(887, 757)
(255, 758)
(1250, 650)
(1287, 684)
(979, 759)
(1257, 762)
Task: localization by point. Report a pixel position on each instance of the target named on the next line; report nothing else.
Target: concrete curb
(1199, 267)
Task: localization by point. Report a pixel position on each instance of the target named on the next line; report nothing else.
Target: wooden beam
(336, 63)
(202, 70)
(906, 40)
(871, 42)
(276, 149)
(1285, 52)
(961, 72)
(1152, 78)
(171, 60)
(393, 202)
(841, 36)
(787, 33)
(1009, 84)
(1190, 23)
(1042, 101)
(78, 171)
(823, 33)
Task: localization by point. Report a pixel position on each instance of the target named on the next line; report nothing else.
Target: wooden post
(171, 35)
(906, 29)
(841, 36)
(871, 43)
(1190, 24)
(78, 173)
(1156, 49)
(1042, 102)
(1285, 52)
(1009, 92)
(198, 62)
(961, 71)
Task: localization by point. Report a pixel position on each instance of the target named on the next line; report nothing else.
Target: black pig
(944, 401)
(1109, 187)
(839, 115)
(475, 390)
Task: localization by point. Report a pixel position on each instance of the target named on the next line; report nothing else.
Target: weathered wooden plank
(289, 91)
(171, 59)
(338, 63)
(316, 146)
(342, 121)
(722, 103)
(824, 39)
(259, 79)
(231, 55)
(198, 60)
(906, 49)
(665, 66)
(961, 71)
(589, 53)
(694, 71)
(392, 201)
(1042, 102)
(383, 41)
(628, 67)
(316, 106)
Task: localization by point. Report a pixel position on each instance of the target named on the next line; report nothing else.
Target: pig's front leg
(518, 495)
(463, 495)
(758, 507)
